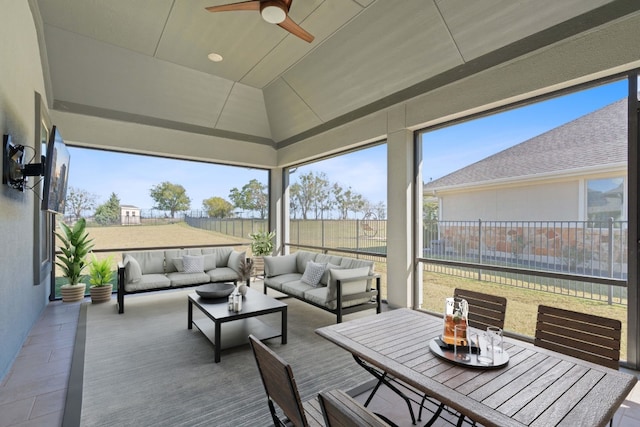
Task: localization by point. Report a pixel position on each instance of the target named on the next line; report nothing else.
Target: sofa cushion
(313, 273)
(329, 259)
(151, 262)
(319, 296)
(235, 258)
(209, 261)
(302, 257)
(178, 265)
(186, 279)
(222, 274)
(276, 282)
(149, 281)
(348, 287)
(193, 263)
(349, 263)
(132, 271)
(221, 253)
(296, 288)
(277, 265)
(324, 280)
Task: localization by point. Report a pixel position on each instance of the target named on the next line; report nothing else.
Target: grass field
(521, 308)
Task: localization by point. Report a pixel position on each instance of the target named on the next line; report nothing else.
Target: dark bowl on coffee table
(215, 290)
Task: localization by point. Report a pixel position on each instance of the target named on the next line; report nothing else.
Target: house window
(605, 199)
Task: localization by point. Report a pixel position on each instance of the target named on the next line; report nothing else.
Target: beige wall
(558, 201)
(21, 301)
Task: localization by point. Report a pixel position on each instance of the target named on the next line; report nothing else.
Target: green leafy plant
(100, 273)
(75, 247)
(261, 242)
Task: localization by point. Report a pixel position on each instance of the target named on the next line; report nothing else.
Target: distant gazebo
(129, 215)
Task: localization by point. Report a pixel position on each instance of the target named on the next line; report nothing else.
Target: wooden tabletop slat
(538, 387)
(528, 393)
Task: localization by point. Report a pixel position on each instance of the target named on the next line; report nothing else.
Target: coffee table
(237, 326)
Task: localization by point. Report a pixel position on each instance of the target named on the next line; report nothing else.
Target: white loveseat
(153, 270)
(337, 284)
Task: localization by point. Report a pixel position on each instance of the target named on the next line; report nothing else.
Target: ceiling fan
(272, 11)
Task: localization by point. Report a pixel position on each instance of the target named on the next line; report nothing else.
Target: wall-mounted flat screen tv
(56, 174)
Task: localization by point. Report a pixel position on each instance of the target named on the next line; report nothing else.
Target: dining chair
(484, 310)
(584, 336)
(341, 410)
(280, 386)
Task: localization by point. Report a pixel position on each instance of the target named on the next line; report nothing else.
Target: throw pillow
(179, 264)
(132, 269)
(235, 258)
(313, 273)
(348, 288)
(325, 277)
(193, 263)
(209, 262)
(277, 265)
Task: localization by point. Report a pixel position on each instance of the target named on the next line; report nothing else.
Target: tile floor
(33, 392)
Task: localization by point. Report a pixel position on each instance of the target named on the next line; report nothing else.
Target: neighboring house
(570, 173)
(541, 200)
(129, 215)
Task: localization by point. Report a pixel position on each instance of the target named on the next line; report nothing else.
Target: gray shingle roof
(597, 138)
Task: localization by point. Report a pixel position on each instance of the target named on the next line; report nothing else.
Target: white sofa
(337, 284)
(153, 270)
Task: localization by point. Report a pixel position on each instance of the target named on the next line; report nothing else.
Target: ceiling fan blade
(296, 29)
(244, 5)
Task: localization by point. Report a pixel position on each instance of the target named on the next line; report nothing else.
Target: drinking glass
(485, 348)
(462, 345)
(497, 342)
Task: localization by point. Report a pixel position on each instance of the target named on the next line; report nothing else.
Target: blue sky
(132, 176)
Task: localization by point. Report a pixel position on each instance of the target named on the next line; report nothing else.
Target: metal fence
(596, 249)
(590, 249)
(236, 227)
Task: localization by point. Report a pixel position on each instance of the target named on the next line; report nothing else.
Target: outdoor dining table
(537, 387)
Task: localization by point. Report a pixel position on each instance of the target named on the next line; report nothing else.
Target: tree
(170, 197)
(348, 200)
(108, 212)
(312, 192)
(79, 200)
(217, 207)
(252, 197)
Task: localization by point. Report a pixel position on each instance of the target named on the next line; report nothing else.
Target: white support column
(277, 206)
(400, 188)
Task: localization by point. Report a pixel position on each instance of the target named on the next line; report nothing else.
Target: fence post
(357, 234)
(610, 250)
(480, 248)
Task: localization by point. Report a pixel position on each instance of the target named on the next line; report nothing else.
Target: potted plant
(75, 247)
(261, 244)
(100, 276)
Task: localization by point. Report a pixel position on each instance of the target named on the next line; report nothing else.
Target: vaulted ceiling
(145, 61)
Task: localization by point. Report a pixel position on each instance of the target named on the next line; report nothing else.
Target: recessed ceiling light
(215, 57)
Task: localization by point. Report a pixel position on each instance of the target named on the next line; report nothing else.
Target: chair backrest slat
(581, 335)
(484, 309)
(278, 381)
(340, 410)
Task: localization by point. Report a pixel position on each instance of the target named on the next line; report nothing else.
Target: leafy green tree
(170, 197)
(79, 200)
(108, 212)
(217, 207)
(311, 193)
(252, 197)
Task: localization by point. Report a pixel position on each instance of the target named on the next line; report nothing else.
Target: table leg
(284, 326)
(190, 315)
(218, 342)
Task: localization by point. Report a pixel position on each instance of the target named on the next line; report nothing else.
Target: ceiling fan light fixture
(274, 12)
